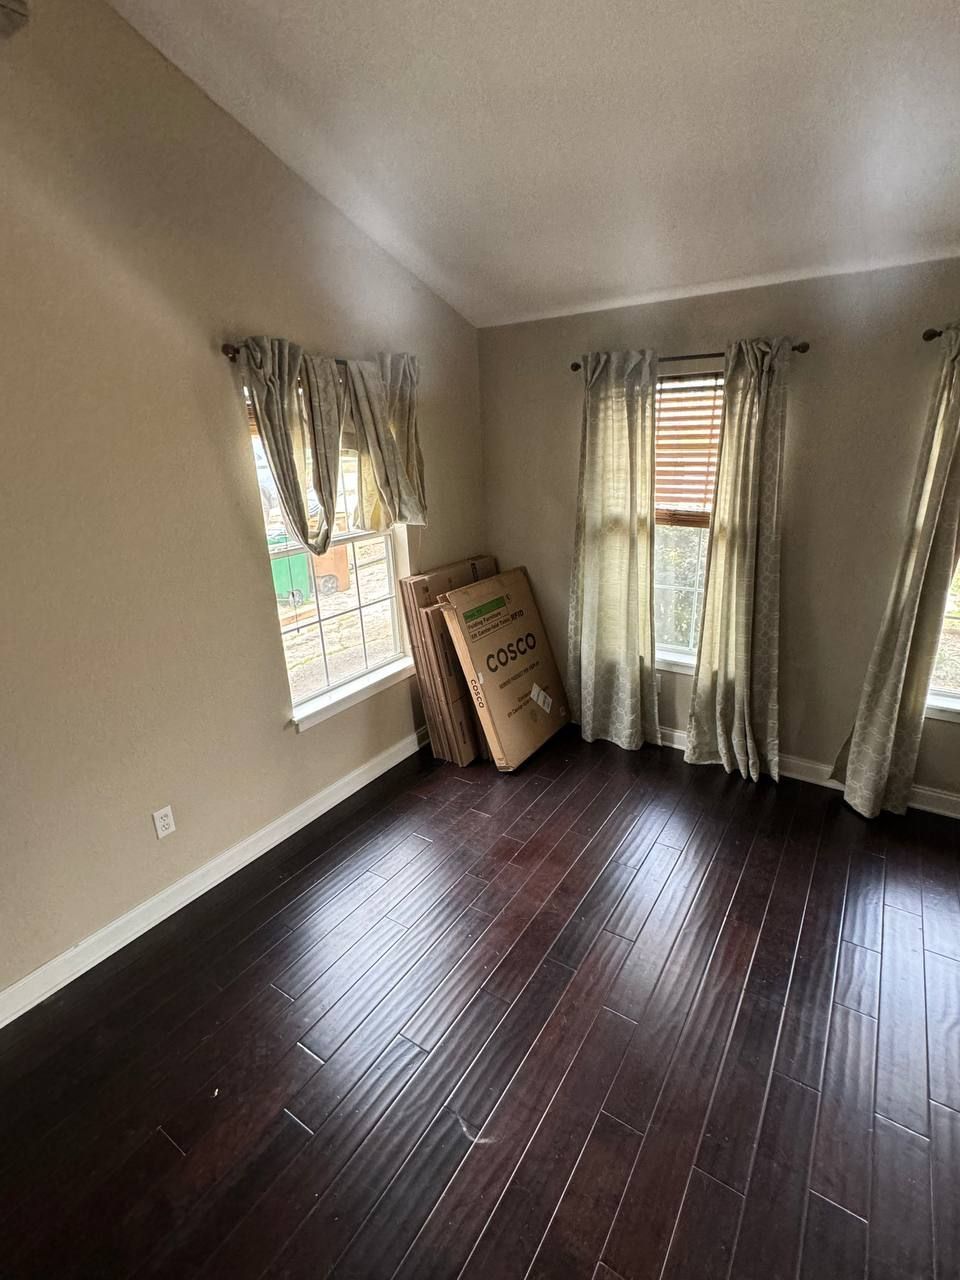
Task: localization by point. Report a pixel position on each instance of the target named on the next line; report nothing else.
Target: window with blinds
(689, 408)
(688, 438)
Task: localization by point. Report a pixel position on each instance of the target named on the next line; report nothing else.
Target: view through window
(946, 672)
(688, 412)
(338, 612)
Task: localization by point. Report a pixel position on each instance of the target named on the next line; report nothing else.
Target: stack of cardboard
(502, 646)
(455, 732)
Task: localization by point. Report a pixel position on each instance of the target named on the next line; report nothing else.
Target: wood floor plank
(576, 1233)
(842, 1154)
(68, 1240)
(513, 1232)
(491, 1161)
(803, 1036)
(262, 1231)
(943, 1029)
(467, 977)
(941, 892)
(768, 1245)
(649, 953)
(945, 1161)
(725, 887)
(900, 1234)
(646, 886)
(592, 915)
(702, 1245)
(834, 1242)
(903, 884)
(858, 979)
(642, 1230)
(902, 1038)
(186, 1248)
(776, 949)
(863, 910)
(332, 1218)
(398, 1216)
(730, 1135)
(482, 1086)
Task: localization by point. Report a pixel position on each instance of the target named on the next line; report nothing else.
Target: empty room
(480, 644)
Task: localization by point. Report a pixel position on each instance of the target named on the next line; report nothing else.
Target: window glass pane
(343, 639)
(336, 580)
(946, 672)
(680, 566)
(674, 615)
(326, 640)
(348, 496)
(305, 667)
(677, 556)
(373, 571)
(380, 631)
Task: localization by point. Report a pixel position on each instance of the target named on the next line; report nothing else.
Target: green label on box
(490, 607)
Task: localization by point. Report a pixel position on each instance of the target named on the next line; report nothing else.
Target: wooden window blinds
(688, 409)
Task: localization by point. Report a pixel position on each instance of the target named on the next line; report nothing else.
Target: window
(688, 408)
(945, 682)
(338, 612)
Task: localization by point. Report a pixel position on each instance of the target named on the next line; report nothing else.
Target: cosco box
(503, 649)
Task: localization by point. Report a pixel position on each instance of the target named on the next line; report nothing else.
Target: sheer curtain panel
(388, 493)
(300, 434)
(734, 712)
(878, 761)
(611, 678)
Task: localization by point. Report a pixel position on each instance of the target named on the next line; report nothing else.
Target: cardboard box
(504, 653)
(455, 733)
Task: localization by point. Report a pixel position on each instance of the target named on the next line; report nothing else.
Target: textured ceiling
(527, 159)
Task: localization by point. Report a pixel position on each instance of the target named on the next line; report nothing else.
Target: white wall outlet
(163, 822)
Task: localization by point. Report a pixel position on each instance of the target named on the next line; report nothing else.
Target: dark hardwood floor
(612, 1016)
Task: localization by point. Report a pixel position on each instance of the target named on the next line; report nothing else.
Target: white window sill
(676, 660)
(942, 706)
(330, 704)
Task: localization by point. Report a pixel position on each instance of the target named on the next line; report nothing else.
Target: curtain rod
(231, 352)
(930, 334)
(802, 347)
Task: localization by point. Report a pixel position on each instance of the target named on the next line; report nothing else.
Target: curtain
(301, 440)
(878, 760)
(611, 678)
(307, 411)
(387, 492)
(323, 392)
(734, 714)
(401, 379)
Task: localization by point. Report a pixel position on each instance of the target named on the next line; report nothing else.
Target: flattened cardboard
(455, 733)
(502, 645)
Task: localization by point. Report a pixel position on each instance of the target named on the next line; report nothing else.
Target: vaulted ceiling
(526, 158)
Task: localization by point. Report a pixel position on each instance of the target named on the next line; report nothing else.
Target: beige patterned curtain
(300, 432)
(878, 761)
(401, 381)
(734, 710)
(611, 678)
(382, 428)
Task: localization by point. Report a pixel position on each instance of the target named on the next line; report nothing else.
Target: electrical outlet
(163, 822)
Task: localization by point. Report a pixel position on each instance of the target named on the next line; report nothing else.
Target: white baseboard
(56, 973)
(928, 798)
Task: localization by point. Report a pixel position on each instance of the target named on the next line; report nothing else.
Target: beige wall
(857, 405)
(140, 658)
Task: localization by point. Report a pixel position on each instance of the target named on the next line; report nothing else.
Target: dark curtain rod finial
(230, 351)
(801, 347)
(930, 334)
